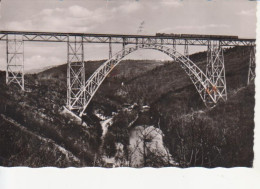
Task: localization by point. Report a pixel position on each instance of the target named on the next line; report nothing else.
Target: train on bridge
(196, 36)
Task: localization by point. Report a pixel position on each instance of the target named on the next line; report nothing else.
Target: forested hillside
(146, 113)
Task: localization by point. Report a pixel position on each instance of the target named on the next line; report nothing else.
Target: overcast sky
(226, 17)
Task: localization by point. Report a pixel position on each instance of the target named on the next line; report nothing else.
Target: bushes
(221, 137)
(34, 110)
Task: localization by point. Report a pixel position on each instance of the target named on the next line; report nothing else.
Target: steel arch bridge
(211, 85)
(203, 84)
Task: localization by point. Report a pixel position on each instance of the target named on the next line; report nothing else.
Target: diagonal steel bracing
(251, 71)
(75, 73)
(15, 60)
(215, 71)
(199, 79)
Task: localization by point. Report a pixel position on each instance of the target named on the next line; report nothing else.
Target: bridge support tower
(186, 49)
(251, 71)
(215, 71)
(123, 46)
(75, 73)
(174, 48)
(110, 49)
(15, 60)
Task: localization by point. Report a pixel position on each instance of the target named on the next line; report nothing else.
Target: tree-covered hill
(35, 132)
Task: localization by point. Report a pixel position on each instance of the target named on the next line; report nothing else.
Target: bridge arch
(202, 83)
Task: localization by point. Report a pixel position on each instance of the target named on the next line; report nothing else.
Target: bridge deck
(126, 39)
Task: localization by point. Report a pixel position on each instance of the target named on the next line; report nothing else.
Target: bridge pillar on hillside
(251, 71)
(174, 48)
(75, 73)
(15, 60)
(123, 46)
(215, 71)
(110, 49)
(136, 43)
(186, 49)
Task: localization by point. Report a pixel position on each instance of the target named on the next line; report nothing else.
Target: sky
(220, 17)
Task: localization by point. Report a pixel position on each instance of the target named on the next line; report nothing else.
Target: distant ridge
(38, 70)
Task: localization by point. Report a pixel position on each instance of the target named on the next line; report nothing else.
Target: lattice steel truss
(15, 60)
(186, 49)
(215, 71)
(199, 79)
(128, 39)
(75, 73)
(251, 71)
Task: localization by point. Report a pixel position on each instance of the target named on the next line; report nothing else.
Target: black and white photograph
(127, 83)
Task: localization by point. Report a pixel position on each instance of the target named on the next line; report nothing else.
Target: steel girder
(199, 79)
(15, 60)
(75, 73)
(215, 71)
(117, 38)
(252, 65)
